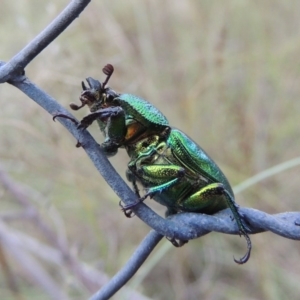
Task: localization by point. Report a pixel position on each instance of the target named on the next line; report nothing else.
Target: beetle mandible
(173, 169)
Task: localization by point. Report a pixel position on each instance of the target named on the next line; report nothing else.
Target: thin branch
(41, 41)
(130, 268)
(185, 226)
(284, 224)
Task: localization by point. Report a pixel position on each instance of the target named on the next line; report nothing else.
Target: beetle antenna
(108, 71)
(75, 106)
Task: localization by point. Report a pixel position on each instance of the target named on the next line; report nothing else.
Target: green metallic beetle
(172, 168)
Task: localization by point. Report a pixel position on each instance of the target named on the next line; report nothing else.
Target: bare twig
(284, 224)
(132, 265)
(180, 229)
(185, 226)
(17, 64)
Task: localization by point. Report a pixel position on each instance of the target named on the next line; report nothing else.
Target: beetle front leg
(130, 177)
(115, 127)
(215, 196)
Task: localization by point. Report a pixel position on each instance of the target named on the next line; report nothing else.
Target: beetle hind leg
(213, 198)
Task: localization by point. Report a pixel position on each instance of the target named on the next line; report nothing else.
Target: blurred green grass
(226, 73)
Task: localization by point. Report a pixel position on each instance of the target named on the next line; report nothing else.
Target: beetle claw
(246, 257)
(64, 116)
(78, 144)
(132, 205)
(127, 211)
(176, 243)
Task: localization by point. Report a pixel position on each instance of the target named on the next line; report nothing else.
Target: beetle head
(97, 96)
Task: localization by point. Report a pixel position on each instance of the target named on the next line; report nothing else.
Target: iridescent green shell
(141, 110)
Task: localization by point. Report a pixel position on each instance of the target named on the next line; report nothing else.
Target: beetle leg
(127, 208)
(215, 196)
(103, 114)
(78, 144)
(176, 243)
(65, 117)
(127, 212)
(131, 177)
(112, 122)
(162, 178)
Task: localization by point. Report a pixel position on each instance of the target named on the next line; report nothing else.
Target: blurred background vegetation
(225, 72)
